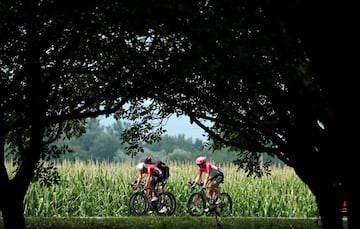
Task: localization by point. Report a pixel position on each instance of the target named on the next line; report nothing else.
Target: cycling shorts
(218, 179)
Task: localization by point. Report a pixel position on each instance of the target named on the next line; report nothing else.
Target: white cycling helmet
(140, 166)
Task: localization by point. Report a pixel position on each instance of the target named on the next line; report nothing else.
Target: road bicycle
(140, 202)
(198, 204)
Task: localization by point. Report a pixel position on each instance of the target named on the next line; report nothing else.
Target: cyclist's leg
(212, 190)
(162, 183)
(162, 190)
(152, 187)
(209, 194)
(215, 186)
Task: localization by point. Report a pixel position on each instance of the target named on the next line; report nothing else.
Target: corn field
(102, 190)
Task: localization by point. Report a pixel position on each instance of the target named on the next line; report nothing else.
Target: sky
(174, 127)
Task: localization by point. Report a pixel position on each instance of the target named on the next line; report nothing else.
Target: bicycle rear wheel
(196, 204)
(138, 204)
(224, 208)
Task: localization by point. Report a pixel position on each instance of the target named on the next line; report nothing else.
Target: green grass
(170, 223)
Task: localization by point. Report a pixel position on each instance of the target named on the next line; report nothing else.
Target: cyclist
(161, 165)
(214, 178)
(165, 171)
(154, 176)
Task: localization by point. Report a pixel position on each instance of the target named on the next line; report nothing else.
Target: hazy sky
(174, 127)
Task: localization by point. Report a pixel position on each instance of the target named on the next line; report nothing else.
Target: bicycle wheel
(196, 204)
(170, 203)
(138, 204)
(224, 208)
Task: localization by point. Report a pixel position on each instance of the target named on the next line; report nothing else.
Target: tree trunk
(352, 205)
(328, 192)
(330, 211)
(13, 212)
(11, 200)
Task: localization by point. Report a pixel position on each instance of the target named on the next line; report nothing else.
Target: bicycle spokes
(196, 204)
(138, 204)
(223, 205)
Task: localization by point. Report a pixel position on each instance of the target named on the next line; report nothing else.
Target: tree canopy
(258, 70)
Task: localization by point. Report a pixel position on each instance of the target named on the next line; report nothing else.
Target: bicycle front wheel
(138, 204)
(196, 204)
(224, 208)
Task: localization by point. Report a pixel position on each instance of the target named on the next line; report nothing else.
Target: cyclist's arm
(138, 181)
(208, 173)
(148, 181)
(150, 174)
(207, 179)
(198, 177)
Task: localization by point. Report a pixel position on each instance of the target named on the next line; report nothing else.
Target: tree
(169, 144)
(264, 74)
(252, 68)
(61, 63)
(98, 144)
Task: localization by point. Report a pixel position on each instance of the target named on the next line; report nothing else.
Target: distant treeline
(102, 143)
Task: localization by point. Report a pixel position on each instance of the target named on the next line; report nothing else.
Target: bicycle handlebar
(133, 184)
(201, 185)
(139, 187)
(192, 185)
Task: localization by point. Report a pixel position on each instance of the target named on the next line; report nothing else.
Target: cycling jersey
(154, 171)
(215, 173)
(151, 170)
(162, 166)
(210, 169)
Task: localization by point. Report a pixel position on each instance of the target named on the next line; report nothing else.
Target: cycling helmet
(140, 166)
(148, 159)
(200, 160)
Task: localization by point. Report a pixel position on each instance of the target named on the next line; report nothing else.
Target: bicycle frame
(140, 201)
(203, 192)
(198, 202)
